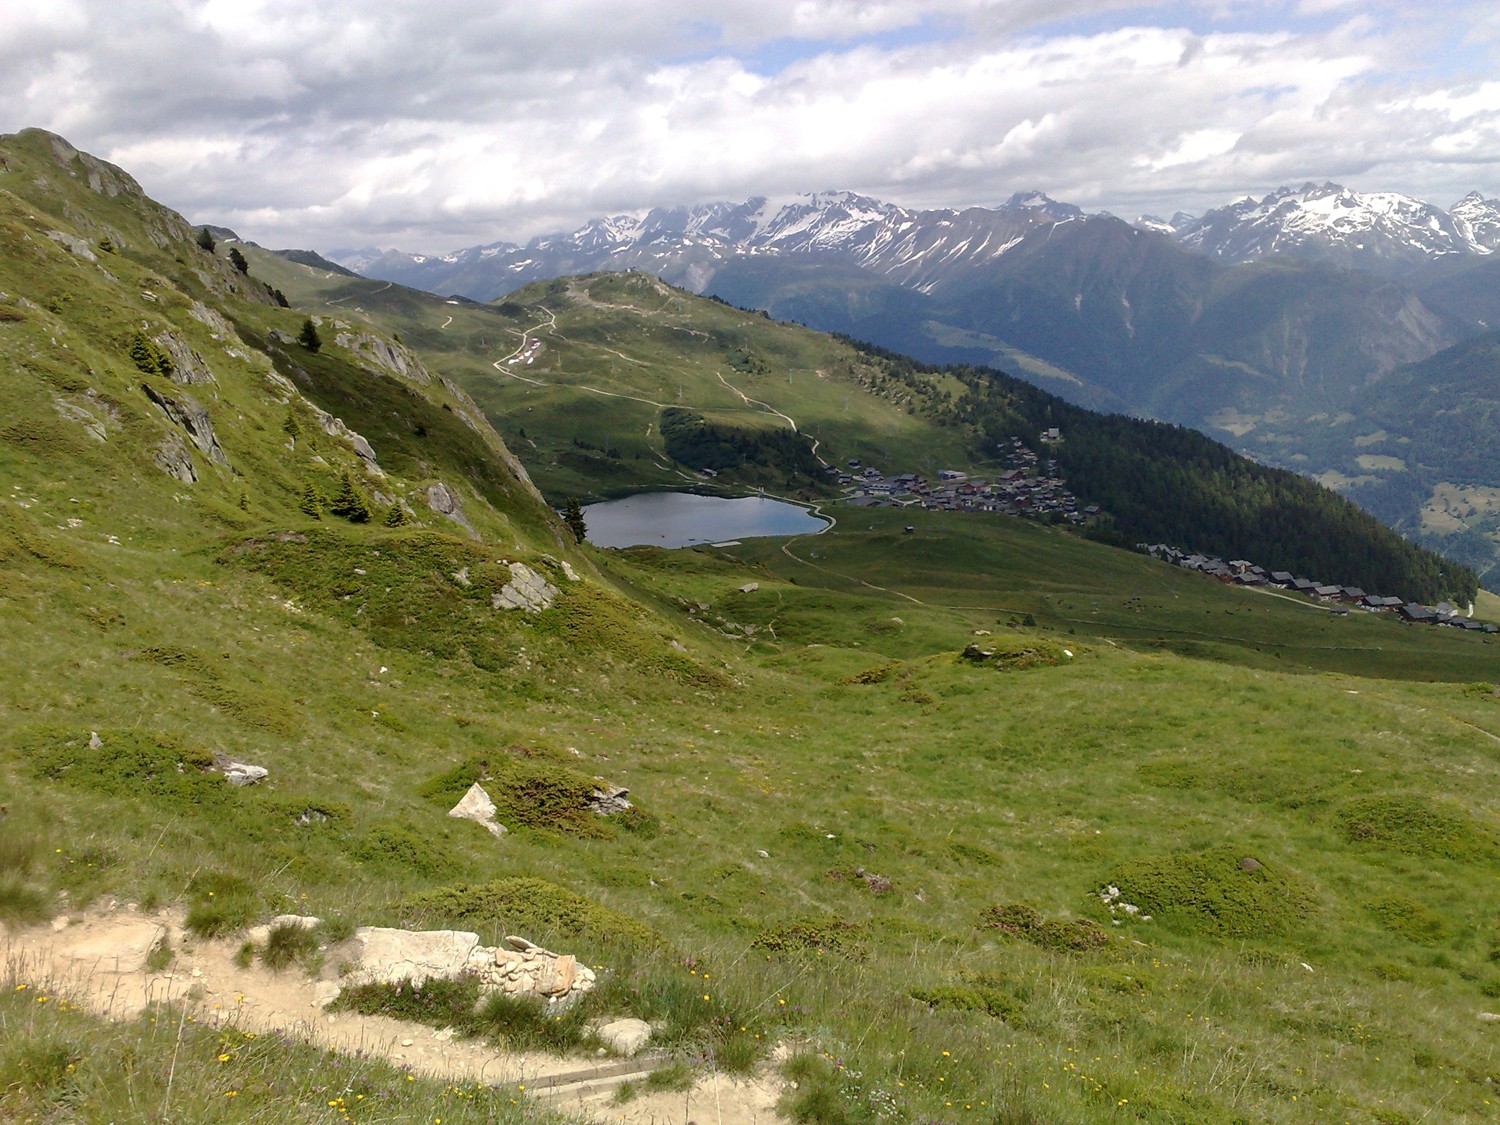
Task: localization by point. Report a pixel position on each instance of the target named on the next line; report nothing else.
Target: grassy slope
(631, 335)
(832, 738)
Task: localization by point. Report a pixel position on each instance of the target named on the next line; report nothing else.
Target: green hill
(882, 819)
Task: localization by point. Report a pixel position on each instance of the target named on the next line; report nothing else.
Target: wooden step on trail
(592, 1083)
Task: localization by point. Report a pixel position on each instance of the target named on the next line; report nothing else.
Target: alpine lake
(685, 519)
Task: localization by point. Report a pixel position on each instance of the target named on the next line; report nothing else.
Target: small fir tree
(311, 501)
(280, 298)
(309, 337)
(396, 517)
(291, 426)
(206, 240)
(237, 260)
(573, 516)
(350, 502)
(143, 354)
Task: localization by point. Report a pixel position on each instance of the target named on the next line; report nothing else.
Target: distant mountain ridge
(1386, 232)
(686, 245)
(1383, 232)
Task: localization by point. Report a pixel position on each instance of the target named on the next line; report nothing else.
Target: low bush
(1417, 826)
(530, 789)
(813, 935)
(1017, 920)
(1219, 891)
(1411, 920)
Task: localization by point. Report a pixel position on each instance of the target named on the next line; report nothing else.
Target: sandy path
(98, 959)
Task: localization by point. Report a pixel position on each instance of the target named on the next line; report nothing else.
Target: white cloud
(430, 124)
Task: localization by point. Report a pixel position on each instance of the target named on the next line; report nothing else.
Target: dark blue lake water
(681, 519)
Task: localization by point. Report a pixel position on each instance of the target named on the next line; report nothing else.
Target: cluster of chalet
(1028, 486)
(1242, 573)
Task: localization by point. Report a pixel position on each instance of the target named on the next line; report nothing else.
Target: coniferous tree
(237, 260)
(309, 337)
(573, 516)
(396, 517)
(311, 501)
(206, 240)
(350, 501)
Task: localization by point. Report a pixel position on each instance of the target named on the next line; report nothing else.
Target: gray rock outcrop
(609, 800)
(527, 591)
(188, 367)
(240, 773)
(442, 501)
(192, 419)
(172, 458)
(393, 357)
(335, 428)
(73, 245)
(517, 968)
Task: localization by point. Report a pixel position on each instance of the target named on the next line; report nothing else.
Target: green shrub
(813, 935)
(1411, 920)
(985, 999)
(130, 762)
(1214, 892)
(532, 907)
(1417, 826)
(1017, 920)
(528, 790)
(398, 844)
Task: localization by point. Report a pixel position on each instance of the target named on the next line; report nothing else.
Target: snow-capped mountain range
(1383, 232)
(686, 244)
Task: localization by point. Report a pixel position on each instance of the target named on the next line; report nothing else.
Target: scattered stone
(1489, 1017)
(625, 1037)
(762, 853)
(749, 587)
(239, 773)
(609, 801)
(95, 742)
(1249, 863)
(476, 805)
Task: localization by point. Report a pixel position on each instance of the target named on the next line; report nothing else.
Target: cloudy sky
(434, 124)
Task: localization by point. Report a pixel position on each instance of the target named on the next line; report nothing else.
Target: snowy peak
(1482, 218)
(1041, 203)
(1372, 230)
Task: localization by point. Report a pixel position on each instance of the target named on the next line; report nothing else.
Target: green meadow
(980, 822)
